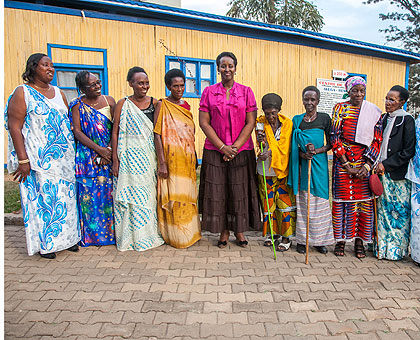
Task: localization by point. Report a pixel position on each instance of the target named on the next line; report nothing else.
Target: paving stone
(196, 307)
(303, 306)
(81, 317)
(270, 317)
(313, 328)
(96, 306)
(150, 331)
(405, 313)
(111, 317)
(226, 307)
(41, 328)
(404, 324)
(17, 330)
(223, 331)
(122, 331)
(183, 330)
(193, 318)
(341, 327)
(374, 314)
(321, 316)
(168, 317)
(223, 318)
(370, 326)
(400, 335)
(241, 330)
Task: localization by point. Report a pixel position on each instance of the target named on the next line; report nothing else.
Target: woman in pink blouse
(228, 191)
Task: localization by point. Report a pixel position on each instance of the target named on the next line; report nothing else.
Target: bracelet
(222, 147)
(24, 161)
(346, 163)
(367, 167)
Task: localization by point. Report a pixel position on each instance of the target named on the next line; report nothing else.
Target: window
(65, 73)
(199, 74)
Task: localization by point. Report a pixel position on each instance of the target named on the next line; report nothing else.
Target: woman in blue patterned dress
(91, 116)
(413, 174)
(41, 157)
(134, 166)
(398, 147)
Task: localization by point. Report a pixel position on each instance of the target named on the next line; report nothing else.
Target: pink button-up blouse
(228, 117)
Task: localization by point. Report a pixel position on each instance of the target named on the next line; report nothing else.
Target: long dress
(94, 182)
(320, 223)
(48, 195)
(228, 197)
(394, 220)
(281, 199)
(413, 174)
(177, 210)
(135, 195)
(352, 211)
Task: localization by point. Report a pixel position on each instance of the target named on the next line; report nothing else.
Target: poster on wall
(332, 92)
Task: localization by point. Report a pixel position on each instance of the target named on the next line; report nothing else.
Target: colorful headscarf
(353, 81)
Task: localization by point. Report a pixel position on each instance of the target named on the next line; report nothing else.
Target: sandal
(359, 250)
(222, 244)
(267, 242)
(280, 246)
(339, 248)
(241, 243)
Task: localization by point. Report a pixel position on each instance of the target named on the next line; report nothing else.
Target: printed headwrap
(353, 81)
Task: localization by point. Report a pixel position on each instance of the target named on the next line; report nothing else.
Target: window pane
(205, 71)
(66, 79)
(174, 64)
(204, 84)
(70, 94)
(96, 75)
(190, 86)
(190, 70)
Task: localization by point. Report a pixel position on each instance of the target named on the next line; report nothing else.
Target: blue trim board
(150, 14)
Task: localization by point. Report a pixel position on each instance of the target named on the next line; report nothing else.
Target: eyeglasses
(391, 101)
(93, 85)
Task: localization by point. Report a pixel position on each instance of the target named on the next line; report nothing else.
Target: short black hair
(404, 94)
(132, 71)
(82, 79)
(171, 74)
(226, 54)
(312, 88)
(31, 65)
(271, 101)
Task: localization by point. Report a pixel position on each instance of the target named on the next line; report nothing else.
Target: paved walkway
(207, 293)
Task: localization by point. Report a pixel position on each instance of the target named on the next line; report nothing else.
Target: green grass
(11, 196)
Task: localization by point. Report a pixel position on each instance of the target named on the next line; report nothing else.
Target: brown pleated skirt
(228, 197)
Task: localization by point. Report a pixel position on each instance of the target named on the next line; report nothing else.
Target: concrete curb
(13, 219)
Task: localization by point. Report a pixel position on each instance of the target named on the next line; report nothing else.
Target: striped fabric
(320, 223)
(353, 220)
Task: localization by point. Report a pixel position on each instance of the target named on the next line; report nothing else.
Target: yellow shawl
(279, 149)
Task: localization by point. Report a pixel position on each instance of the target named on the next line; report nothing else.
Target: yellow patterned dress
(177, 195)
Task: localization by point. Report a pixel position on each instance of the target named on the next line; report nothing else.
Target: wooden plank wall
(266, 66)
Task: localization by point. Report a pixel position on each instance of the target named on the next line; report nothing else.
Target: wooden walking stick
(310, 147)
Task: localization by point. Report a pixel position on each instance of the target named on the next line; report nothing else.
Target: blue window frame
(199, 73)
(65, 73)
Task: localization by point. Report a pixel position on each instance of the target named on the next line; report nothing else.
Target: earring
(235, 73)
(218, 73)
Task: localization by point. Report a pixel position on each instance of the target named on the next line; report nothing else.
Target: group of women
(97, 172)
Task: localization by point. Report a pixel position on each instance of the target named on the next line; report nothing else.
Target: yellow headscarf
(279, 149)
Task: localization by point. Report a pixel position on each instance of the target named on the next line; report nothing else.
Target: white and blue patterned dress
(135, 196)
(413, 174)
(48, 195)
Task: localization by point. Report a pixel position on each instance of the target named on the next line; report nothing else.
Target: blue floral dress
(48, 196)
(94, 182)
(413, 174)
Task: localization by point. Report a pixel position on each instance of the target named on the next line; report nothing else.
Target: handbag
(375, 184)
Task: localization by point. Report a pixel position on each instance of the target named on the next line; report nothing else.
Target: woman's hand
(229, 152)
(380, 169)
(22, 172)
(104, 162)
(351, 170)
(115, 167)
(163, 170)
(264, 155)
(105, 153)
(362, 172)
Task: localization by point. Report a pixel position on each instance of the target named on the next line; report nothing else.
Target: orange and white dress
(177, 195)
